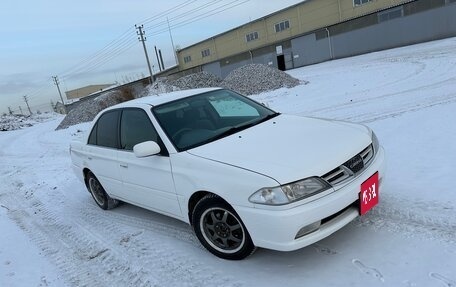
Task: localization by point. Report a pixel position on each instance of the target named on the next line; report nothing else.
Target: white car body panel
(103, 161)
(276, 229)
(235, 185)
(148, 182)
(275, 148)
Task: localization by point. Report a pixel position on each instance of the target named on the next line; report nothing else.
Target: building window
(206, 53)
(187, 59)
(251, 37)
(284, 25)
(360, 2)
(390, 14)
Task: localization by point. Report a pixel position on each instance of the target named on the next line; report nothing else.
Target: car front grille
(350, 168)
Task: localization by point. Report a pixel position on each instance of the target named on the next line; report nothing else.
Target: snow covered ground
(53, 234)
(15, 122)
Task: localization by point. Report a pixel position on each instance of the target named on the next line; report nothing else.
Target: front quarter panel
(233, 184)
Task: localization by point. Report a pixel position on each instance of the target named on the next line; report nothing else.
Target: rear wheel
(220, 230)
(102, 199)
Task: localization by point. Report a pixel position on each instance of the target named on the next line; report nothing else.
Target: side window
(93, 136)
(107, 129)
(227, 106)
(135, 128)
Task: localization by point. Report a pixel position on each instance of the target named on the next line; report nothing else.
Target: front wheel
(102, 199)
(220, 230)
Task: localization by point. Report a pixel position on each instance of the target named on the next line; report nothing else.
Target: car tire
(102, 199)
(220, 230)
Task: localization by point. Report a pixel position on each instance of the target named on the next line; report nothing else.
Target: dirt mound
(88, 109)
(256, 78)
(197, 81)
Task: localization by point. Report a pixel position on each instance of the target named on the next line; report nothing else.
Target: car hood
(289, 148)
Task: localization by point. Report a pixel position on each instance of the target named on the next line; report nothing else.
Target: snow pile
(88, 109)
(256, 78)
(160, 86)
(197, 81)
(15, 122)
(248, 80)
(192, 81)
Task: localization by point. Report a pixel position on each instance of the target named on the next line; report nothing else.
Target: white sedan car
(243, 175)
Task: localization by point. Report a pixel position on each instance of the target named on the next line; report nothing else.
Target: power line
(104, 55)
(121, 44)
(110, 45)
(185, 14)
(107, 58)
(204, 15)
(125, 41)
(168, 11)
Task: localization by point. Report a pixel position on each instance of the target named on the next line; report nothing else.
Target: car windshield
(203, 118)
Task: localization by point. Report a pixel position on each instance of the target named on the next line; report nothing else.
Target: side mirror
(146, 149)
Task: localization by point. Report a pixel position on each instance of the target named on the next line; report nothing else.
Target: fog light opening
(308, 229)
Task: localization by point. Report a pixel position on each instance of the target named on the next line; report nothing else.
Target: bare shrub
(126, 94)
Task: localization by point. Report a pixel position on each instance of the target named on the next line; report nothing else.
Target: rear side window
(135, 128)
(107, 130)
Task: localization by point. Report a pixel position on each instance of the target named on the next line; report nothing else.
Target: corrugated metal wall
(421, 21)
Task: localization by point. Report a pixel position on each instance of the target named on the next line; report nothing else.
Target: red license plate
(368, 197)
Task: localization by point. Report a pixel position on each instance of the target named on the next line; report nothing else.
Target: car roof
(161, 98)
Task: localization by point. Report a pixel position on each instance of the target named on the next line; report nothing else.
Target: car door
(101, 156)
(147, 181)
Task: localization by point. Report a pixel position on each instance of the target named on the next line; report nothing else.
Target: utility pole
(161, 59)
(26, 102)
(56, 82)
(172, 42)
(143, 39)
(20, 108)
(10, 111)
(158, 59)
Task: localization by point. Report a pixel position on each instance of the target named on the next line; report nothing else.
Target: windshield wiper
(268, 117)
(235, 129)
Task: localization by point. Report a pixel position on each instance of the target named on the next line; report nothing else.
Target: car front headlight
(375, 142)
(290, 192)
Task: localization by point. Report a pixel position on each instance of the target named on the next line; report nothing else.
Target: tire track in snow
(174, 267)
(369, 117)
(446, 281)
(410, 222)
(96, 248)
(169, 230)
(408, 106)
(111, 242)
(83, 260)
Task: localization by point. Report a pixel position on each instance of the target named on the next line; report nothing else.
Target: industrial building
(314, 31)
(85, 91)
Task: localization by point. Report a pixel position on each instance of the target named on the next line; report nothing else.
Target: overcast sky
(40, 39)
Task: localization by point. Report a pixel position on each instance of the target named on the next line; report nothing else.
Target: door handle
(124, 165)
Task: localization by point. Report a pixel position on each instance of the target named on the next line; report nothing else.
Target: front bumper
(277, 229)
